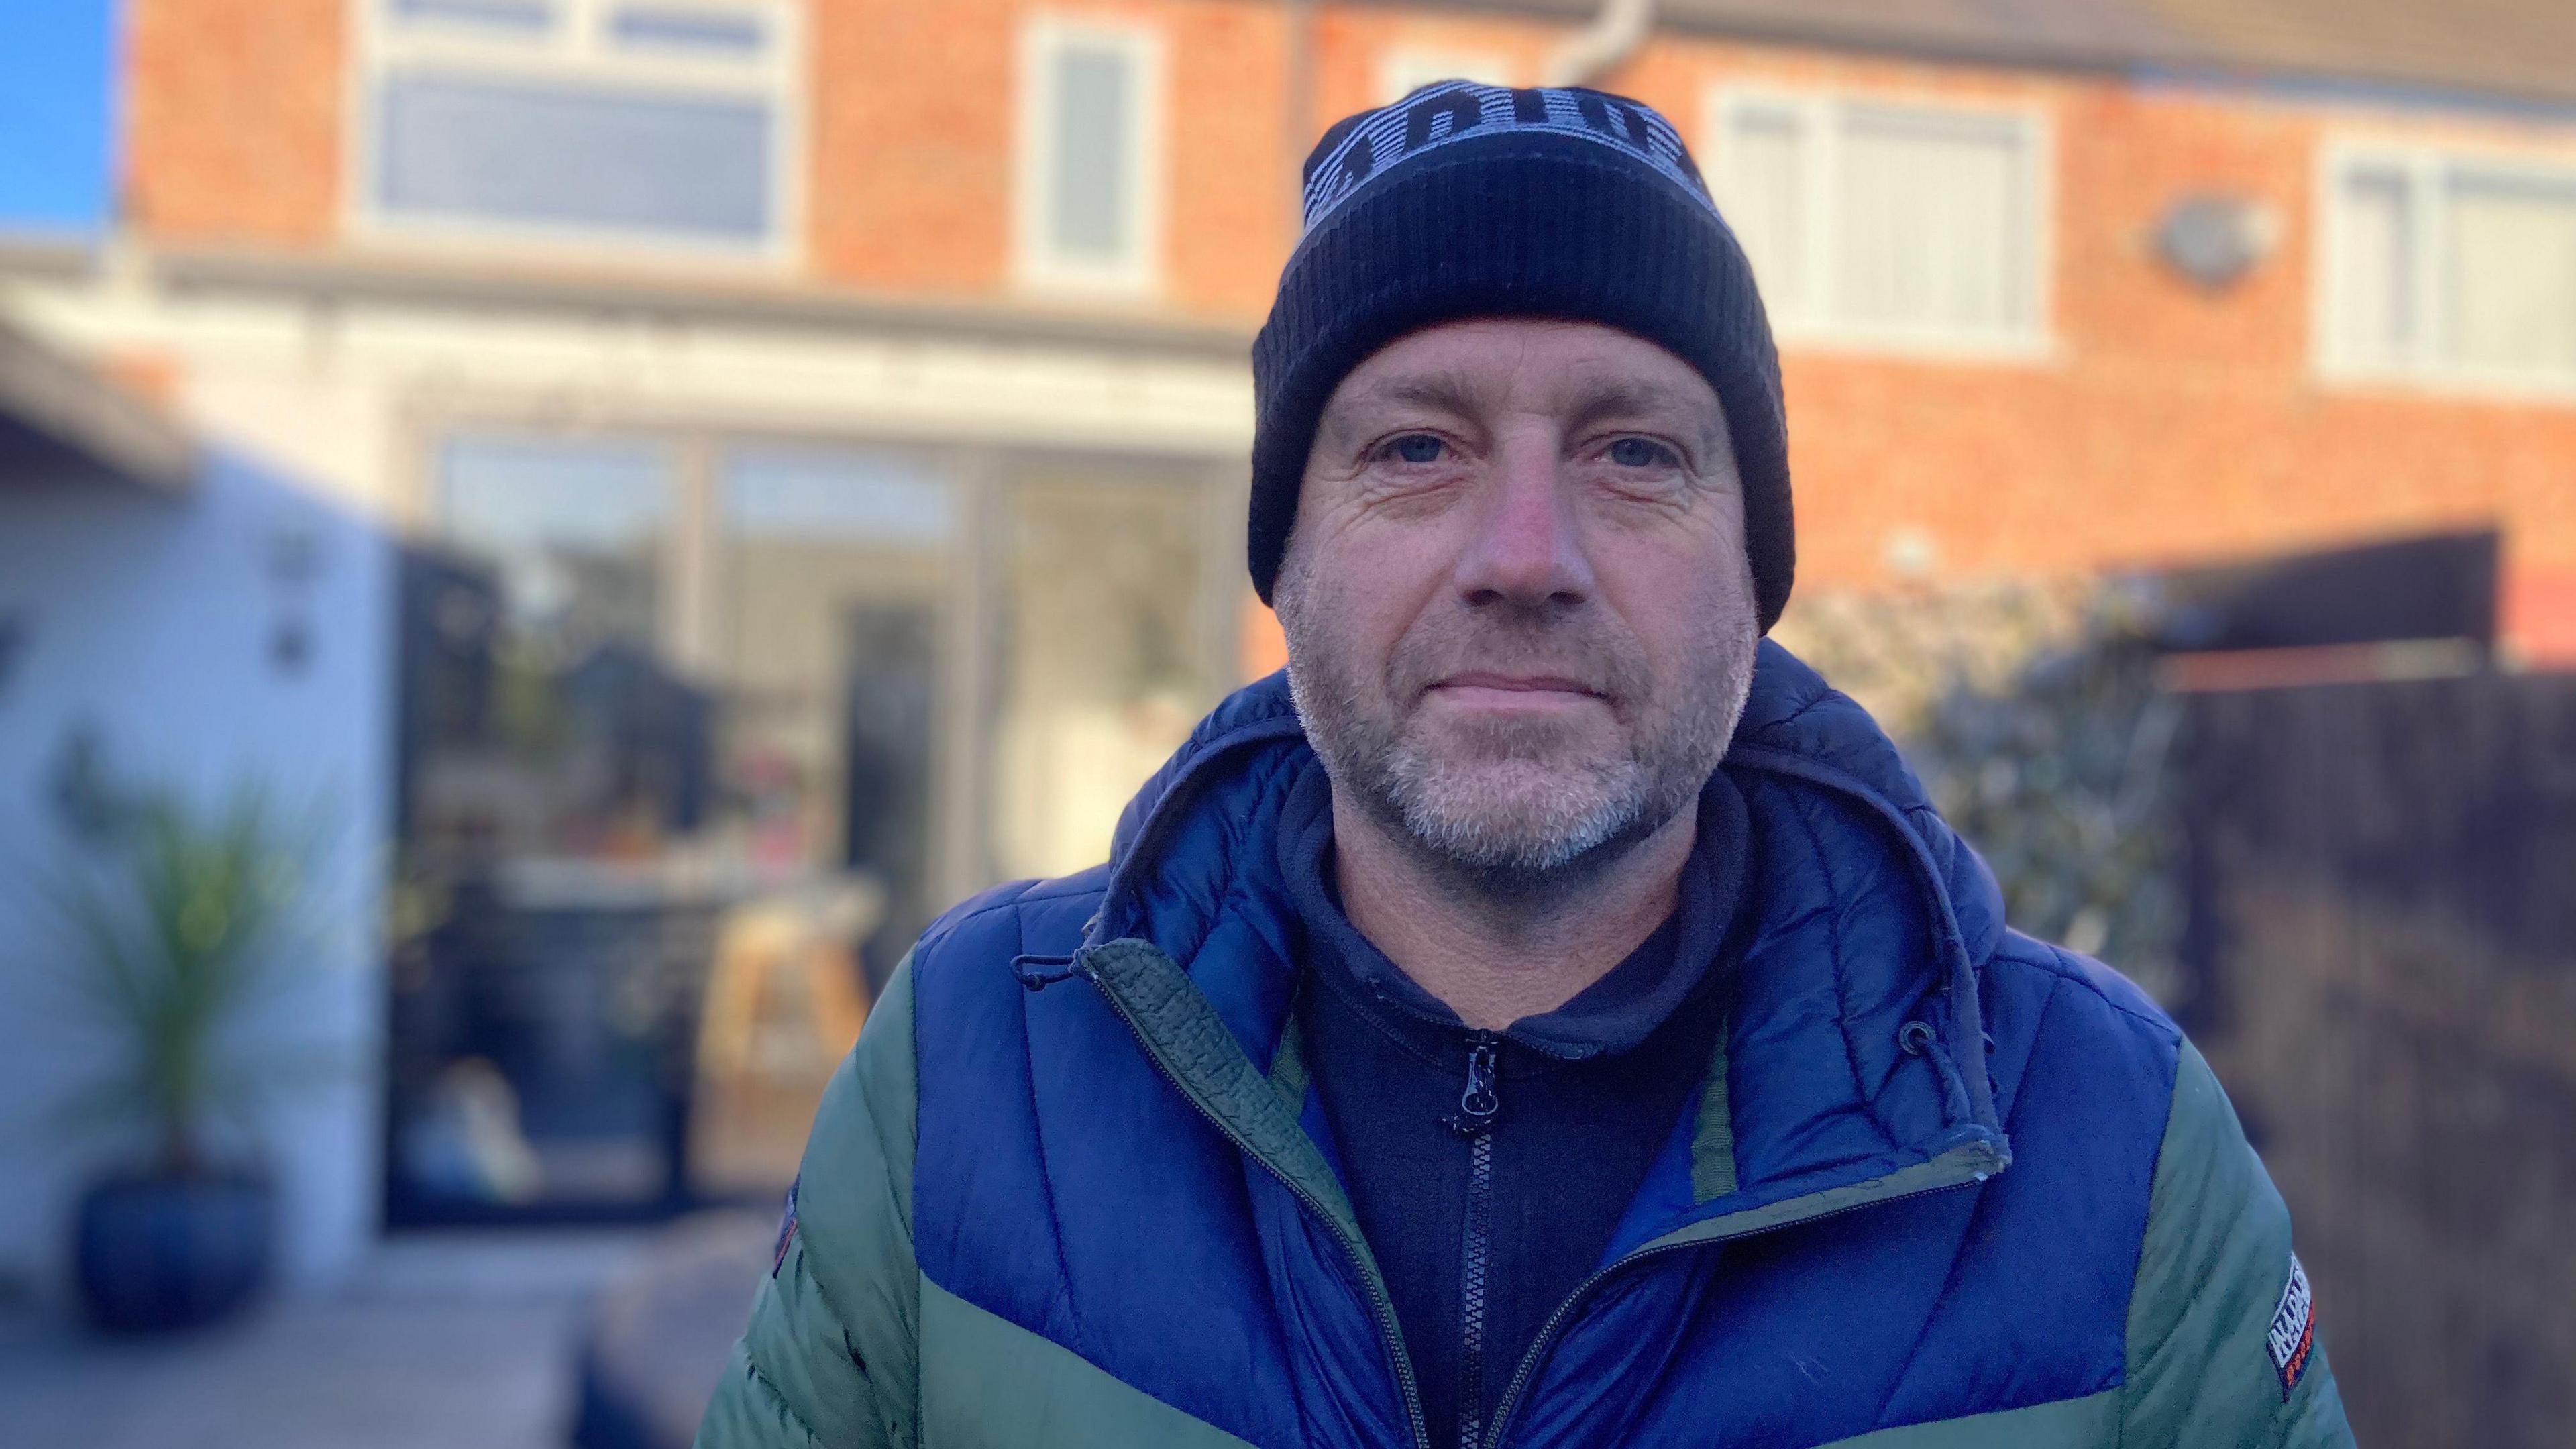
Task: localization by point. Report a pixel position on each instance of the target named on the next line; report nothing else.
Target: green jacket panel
(990, 1384)
(2214, 1273)
(832, 1357)
(2065, 1424)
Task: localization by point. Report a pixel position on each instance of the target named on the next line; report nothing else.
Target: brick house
(2064, 398)
(798, 348)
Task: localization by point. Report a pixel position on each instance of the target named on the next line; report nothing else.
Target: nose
(1527, 550)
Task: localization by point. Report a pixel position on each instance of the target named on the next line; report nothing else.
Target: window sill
(603, 249)
(1036, 281)
(2448, 384)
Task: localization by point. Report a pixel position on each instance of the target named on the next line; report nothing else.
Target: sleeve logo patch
(2293, 1335)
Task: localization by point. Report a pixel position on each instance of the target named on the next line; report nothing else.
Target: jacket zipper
(1390, 1335)
(1477, 1106)
(1564, 1310)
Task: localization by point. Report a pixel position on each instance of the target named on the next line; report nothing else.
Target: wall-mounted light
(294, 561)
(2212, 238)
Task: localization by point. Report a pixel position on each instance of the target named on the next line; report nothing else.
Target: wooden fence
(2382, 967)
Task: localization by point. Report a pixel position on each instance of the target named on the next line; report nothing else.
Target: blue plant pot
(158, 1253)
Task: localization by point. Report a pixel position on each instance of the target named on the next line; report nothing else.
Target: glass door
(701, 731)
(836, 569)
(556, 762)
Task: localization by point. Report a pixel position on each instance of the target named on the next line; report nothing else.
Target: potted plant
(179, 933)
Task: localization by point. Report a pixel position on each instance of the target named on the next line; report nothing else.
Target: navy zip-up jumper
(1483, 1221)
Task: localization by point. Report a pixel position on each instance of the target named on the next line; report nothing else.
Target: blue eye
(1417, 448)
(1642, 453)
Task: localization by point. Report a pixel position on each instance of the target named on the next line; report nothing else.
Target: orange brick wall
(914, 180)
(233, 119)
(909, 182)
(2168, 423)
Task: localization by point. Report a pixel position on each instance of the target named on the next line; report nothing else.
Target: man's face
(1519, 614)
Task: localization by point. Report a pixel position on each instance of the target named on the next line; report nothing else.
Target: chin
(1519, 814)
(1556, 743)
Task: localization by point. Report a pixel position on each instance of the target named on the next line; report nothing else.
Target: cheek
(1683, 605)
(1366, 587)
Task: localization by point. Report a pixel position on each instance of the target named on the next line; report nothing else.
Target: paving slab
(439, 1342)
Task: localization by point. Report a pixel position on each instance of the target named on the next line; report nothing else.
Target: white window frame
(1039, 266)
(1821, 115)
(2428, 171)
(578, 51)
(1401, 68)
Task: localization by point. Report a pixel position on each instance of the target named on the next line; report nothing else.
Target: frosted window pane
(706, 32)
(684, 167)
(2512, 255)
(2373, 303)
(1090, 149)
(530, 16)
(1932, 222)
(1766, 203)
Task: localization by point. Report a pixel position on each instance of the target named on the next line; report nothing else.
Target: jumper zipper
(1565, 1309)
(1390, 1334)
(1475, 1121)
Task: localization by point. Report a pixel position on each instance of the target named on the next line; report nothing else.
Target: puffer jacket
(1943, 1185)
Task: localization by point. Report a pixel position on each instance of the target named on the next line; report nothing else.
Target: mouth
(1486, 689)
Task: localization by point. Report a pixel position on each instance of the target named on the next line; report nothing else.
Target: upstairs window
(2448, 268)
(1876, 223)
(661, 121)
(1090, 154)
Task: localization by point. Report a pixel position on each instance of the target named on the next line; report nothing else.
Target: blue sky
(55, 90)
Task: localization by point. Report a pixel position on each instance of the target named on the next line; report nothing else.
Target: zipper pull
(1478, 1104)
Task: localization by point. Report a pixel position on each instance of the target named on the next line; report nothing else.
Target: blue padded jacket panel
(1971, 1300)
(2038, 1303)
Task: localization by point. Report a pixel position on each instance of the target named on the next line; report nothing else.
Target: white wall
(154, 620)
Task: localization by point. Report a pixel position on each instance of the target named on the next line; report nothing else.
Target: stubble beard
(1507, 809)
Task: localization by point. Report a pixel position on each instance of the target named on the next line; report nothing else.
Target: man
(1550, 1016)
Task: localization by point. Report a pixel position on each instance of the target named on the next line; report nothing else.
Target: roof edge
(89, 419)
(2179, 62)
(342, 276)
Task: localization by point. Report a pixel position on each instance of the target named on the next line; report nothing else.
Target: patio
(440, 1342)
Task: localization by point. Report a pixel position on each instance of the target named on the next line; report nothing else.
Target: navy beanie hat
(1465, 200)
